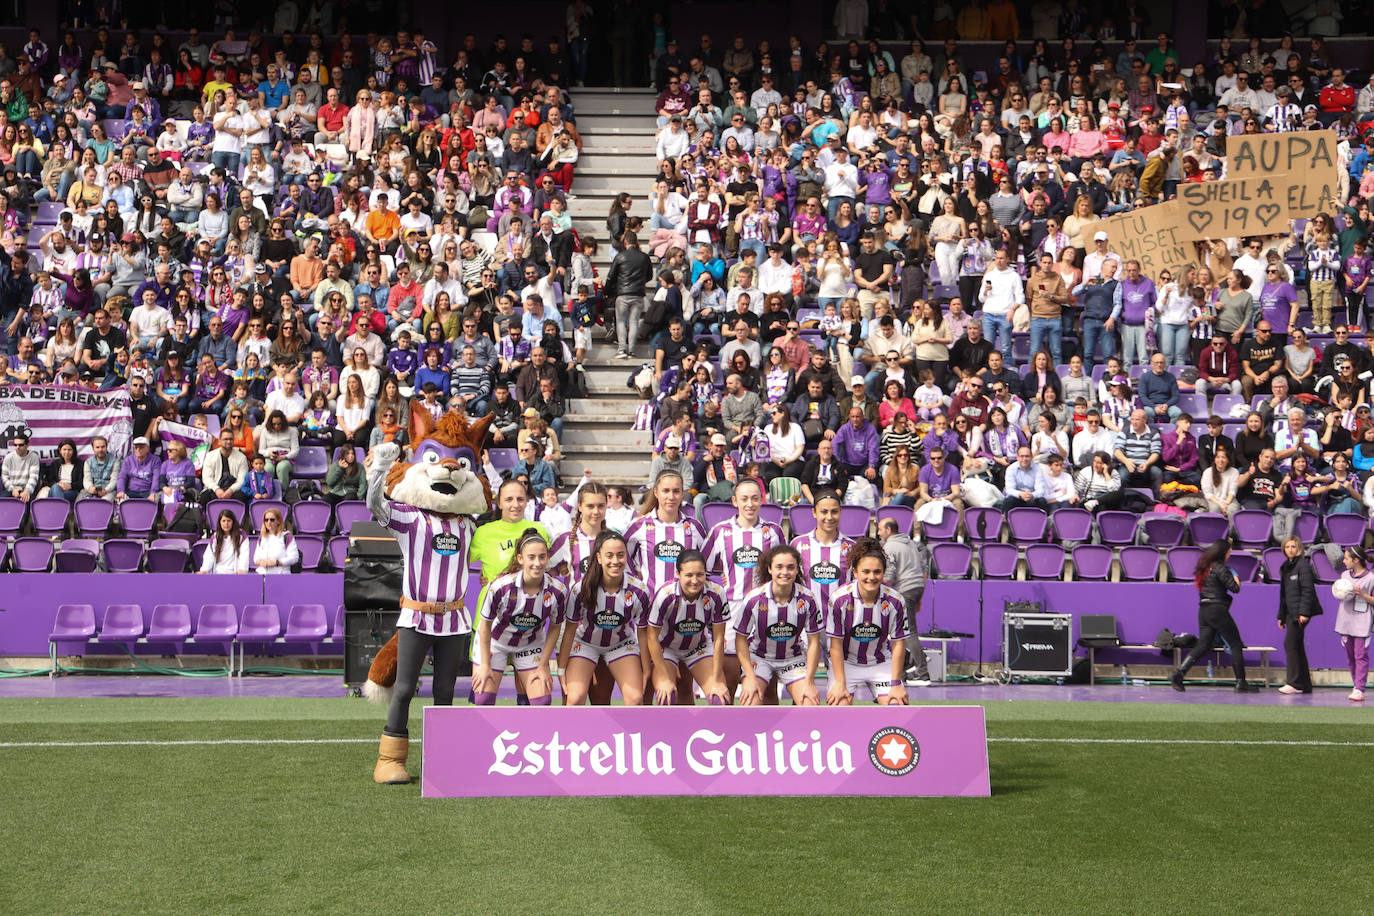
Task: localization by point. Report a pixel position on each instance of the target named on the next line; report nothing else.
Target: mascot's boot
(391, 761)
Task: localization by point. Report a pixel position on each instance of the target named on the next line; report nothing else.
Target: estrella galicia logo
(747, 557)
(689, 627)
(446, 545)
(524, 622)
(893, 751)
(865, 632)
(825, 573)
(608, 620)
(667, 551)
(781, 631)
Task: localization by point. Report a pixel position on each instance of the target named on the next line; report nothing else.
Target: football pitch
(253, 805)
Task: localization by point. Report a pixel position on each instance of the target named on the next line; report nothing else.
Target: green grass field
(1071, 827)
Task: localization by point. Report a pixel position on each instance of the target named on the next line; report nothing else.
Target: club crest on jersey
(781, 631)
(446, 545)
(746, 557)
(689, 627)
(667, 551)
(865, 632)
(893, 751)
(524, 622)
(608, 620)
(825, 573)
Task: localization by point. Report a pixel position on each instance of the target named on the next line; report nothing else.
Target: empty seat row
(219, 626)
(1094, 562)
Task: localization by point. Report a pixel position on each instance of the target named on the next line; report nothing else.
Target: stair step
(616, 125)
(631, 471)
(579, 437)
(611, 185)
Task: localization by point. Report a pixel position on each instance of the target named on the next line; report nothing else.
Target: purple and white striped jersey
(826, 565)
(733, 553)
(654, 547)
(685, 624)
(614, 617)
(434, 554)
(520, 620)
(775, 630)
(866, 631)
(572, 551)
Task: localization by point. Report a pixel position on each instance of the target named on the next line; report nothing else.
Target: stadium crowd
(860, 273)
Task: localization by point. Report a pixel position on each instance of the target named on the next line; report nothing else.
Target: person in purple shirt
(211, 387)
(939, 479)
(403, 361)
(1278, 302)
(856, 446)
(178, 473)
(1138, 296)
(140, 475)
(1356, 271)
(1178, 453)
(942, 437)
(878, 181)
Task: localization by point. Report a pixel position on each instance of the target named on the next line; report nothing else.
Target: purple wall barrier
(474, 751)
(1141, 609)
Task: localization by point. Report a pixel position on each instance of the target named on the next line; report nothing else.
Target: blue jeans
(1132, 345)
(754, 245)
(1173, 340)
(1094, 330)
(997, 330)
(1040, 328)
(227, 161)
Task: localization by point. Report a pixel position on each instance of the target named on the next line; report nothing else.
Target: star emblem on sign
(895, 752)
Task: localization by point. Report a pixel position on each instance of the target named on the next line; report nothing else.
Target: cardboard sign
(1153, 236)
(1306, 159)
(486, 751)
(1237, 206)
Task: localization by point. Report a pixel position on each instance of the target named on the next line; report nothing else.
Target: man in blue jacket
(1159, 391)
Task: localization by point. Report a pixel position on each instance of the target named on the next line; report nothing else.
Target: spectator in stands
(20, 469)
(1137, 449)
(345, 478)
(1025, 482)
(1261, 359)
(1219, 367)
(822, 472)
(856, 447)
(140, 475)
(100, 472)
(224, 469)
(1158, 391)
(227, 552)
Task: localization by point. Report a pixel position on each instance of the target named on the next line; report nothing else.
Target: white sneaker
(1356, 695)
(1288, 688)
(917, 682)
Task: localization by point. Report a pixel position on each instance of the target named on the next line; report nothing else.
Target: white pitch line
(216, 742)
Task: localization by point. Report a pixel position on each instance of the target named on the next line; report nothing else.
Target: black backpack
(188, 519)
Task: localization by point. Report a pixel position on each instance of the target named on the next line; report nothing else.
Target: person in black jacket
(625, 282)
(1297, 606)
(65, 476)
(1216, 583)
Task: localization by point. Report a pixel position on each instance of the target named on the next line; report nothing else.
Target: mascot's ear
(421, 423)
(477, 434)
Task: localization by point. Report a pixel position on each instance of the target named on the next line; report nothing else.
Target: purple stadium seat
(307, 623)
(772, 514)
(168, 555)
(123, 624)
(260, 507)
(1345, 528)
(1325, 571)
(946, 530)
(77, 555)
(33, 554)
(801, 517)
(259, 623)
(312, 517)
(854, 521)
(503, 459)
(311, 463)
(336, 629)
(1139, 564)
(1027, 524)
(1092, 562)
(338, 551)
(1115, 528)
(50, 516)
(1195, 405)
(49, 212)
(12, 512)
(951, 560)
(137, 517)
(712, 514)
(998, 561)
(1163, 530)
(1253, 528)
(984, 523)
(93, 517)
(1071, 524)
(1223, 404)
(216, 506)
(75, 623)
(122, 555)
(1273, 558)
(349, 511)
(311, 547)
(217, 625)
(1044, 561)
(904, 515)
(1307, 526)
(1246, 565)
(1181, 561)
(1206, 528)
(198, 553)
(170, 623)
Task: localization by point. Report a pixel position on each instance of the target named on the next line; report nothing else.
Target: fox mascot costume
(430, 504)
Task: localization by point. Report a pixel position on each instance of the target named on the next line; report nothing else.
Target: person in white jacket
(277, 551)
(227, 552)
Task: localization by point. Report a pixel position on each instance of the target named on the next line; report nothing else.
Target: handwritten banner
(1302, 163)
(1239, 206)
(476, 751)
(1154, 236)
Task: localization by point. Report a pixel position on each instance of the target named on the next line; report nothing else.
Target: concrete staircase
(617, 127)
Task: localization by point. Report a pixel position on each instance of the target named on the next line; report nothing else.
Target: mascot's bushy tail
(381, 677)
